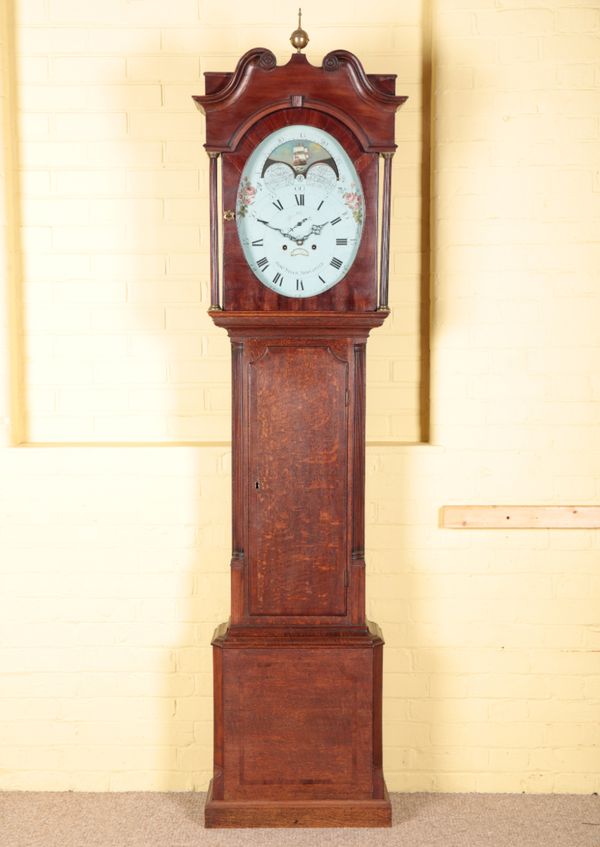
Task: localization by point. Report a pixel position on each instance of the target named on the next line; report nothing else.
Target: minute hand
(276, 229)
(280, 231)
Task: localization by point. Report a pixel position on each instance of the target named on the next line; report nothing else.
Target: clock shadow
(390, 585)
(397, 525)
(182, 405)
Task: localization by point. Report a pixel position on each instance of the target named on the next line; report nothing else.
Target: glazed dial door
(300, 211)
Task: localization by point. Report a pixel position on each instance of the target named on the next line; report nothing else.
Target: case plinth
(299, 729)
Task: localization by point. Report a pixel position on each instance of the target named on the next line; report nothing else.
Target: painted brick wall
(113, 559)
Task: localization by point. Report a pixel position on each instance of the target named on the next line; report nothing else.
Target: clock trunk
(298, 669)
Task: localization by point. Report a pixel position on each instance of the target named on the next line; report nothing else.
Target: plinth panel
(297, 723)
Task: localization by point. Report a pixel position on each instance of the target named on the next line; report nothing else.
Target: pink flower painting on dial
(246, 196)
(354, 201)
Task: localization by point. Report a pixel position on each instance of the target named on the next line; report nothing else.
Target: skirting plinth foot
(297, 813)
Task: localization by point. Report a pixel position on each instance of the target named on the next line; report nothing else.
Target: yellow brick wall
(118, 343)
(113, 558)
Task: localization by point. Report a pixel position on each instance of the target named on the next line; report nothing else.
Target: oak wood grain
(297, 497)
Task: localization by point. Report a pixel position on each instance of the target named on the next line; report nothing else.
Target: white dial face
(300, 211)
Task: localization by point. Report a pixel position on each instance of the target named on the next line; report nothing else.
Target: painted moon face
(300, 211)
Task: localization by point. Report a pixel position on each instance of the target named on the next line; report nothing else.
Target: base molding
(297, 813)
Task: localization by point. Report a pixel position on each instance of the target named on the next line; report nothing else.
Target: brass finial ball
(299, 38)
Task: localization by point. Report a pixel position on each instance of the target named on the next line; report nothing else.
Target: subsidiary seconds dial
(300, 211)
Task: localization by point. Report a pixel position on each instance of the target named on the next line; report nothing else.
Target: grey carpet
(67, 819)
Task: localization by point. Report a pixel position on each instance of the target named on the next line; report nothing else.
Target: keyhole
(257, 484)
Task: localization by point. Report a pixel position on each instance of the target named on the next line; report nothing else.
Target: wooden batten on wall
(520, 517)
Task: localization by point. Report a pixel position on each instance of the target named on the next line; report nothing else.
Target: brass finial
(299, 38)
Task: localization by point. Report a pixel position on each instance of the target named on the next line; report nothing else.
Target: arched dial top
(300, 211)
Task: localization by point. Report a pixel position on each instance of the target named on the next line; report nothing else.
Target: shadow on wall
(191, 506)
(152, 729)
(427, 233)
(11, 203)
(396, 532)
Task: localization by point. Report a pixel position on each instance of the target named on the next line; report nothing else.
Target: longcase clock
(295, 154)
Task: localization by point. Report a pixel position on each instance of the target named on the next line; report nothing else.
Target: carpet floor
(136, 819)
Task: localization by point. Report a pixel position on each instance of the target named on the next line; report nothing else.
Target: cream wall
(114, 555)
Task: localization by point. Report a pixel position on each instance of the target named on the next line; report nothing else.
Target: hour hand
(303, 221)
(316, 228)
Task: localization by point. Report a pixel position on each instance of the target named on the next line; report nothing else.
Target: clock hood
(365, 103)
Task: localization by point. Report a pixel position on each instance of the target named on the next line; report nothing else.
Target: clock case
(298, 668)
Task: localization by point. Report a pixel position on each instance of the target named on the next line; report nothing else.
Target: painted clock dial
(300, 211)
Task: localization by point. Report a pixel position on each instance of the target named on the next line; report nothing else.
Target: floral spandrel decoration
(354, 201)
(246, 196)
